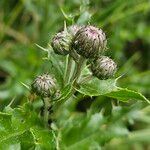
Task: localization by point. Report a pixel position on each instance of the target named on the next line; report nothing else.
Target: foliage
(103, 114)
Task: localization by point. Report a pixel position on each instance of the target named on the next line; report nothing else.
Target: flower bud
(44, 86)
(89, 42)
(73, 29)
(61, 43)
(103, 67)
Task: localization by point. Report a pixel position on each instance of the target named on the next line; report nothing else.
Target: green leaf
(65, 94)
(43, 139)
(89, 131)
(124, 94)
(57, 67)
(96, 87)
(108, 88)
(22, 128)
(13, 133)
(82, 131)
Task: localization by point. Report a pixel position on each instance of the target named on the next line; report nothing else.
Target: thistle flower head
(61, 43)
(103, 67)
(44, 85)
(89, 42)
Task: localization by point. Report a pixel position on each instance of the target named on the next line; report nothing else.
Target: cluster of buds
(90, 43)
(80, 43)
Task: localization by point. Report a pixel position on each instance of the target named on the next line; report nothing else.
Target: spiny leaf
(124, 94)
(42, 138)
(108, 88)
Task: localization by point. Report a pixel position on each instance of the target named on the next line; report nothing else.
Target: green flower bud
(44, 85)
(61, 43)
(103, 67)
(89, 42)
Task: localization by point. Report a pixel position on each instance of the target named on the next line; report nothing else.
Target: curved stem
(78, 69)
(68, 69)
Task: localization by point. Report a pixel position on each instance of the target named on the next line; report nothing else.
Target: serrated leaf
(124, 94)
(43, 138)
(14, 127)
(96, 87)
(108, 88)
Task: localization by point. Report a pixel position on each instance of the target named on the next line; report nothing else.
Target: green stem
(74, 78)
(68, 70)
(78, 69)
(46, 112)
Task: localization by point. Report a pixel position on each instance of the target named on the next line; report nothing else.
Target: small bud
(103, 67)
(61, 43)
(89, 42)
(73, 29)
(44, 86)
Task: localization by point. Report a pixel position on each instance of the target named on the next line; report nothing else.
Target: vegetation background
(127, 26)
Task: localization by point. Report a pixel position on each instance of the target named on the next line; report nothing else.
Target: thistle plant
(80, 97)
(78, 44)
(87, 70)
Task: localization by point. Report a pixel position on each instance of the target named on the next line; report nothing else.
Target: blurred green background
(26, 22)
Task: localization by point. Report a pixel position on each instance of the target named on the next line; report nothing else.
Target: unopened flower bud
(73, 29)
(89, 42)
(103, 67)
(61, 43)
(44, 85)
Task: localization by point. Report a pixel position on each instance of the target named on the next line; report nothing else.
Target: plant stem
(68, 69)
(75, 77)
(78, 69)
(46, 112)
